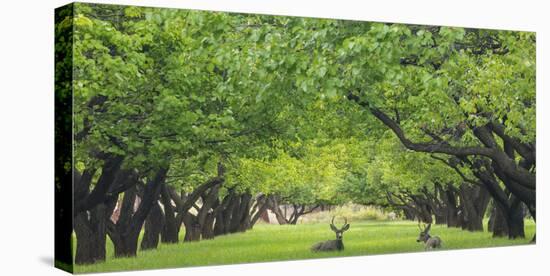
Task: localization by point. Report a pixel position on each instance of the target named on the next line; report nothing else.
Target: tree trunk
(223, 216)
(515, 219)
(408, 214)
(202, 223)
(450, 198)
(243, 219)
(153, 226)
(208, 227)
(452, 217)
(121, 234)
(509, 221)
(422, 208)
(109, 172)
(126, 245)
(90, 225)
(261, 211)
(234, 221)
(264, 216)
(192, 228)
(474, 201)
(273, 205)
(522, 181)
(125, 232)
(91, 235)
(510, 205)
(296, 213)
(219, 224)
(499, 225)
(440, 219)
(493, 213)
(170, 230)
(436, 203)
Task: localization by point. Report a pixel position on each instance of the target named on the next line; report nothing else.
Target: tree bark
(202, 222)
(223, 216)
(185, 202)
(273, 205)
(520, 180)
(422, 207)
(436, 204)
(192, 228)
(219, 225)
(208, 227)
(509, 205)
(170, 229)
(90, 225)
(125, 232)
(408, 213)
(98, 195)
(474, 201)
(153, 226)
(498, 223)
(241, 214)
(515, 219)
(91, 235)
(449, 196)
(261, 212)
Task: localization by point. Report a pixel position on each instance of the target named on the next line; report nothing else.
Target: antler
(420, 227)
(336, 228)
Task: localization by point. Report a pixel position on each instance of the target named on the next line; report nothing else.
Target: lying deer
(429, 241)
(336, 244)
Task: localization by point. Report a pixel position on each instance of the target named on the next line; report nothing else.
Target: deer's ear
(345, 228)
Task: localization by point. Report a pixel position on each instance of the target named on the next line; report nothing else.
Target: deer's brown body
(429, 241)
(337, 244)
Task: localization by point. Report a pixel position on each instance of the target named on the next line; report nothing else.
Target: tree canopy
(314, 111)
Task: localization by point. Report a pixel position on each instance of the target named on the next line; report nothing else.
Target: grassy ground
(288, 242)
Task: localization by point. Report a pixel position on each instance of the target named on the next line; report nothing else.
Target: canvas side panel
(63, 137)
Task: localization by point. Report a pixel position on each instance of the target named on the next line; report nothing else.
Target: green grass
(290, 242)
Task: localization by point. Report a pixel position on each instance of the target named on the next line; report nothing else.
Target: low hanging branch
(517, 173)
(299, 210)
(100, 192)
(457, 170)
(125, 232)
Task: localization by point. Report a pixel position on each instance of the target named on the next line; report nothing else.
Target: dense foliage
(218, 117)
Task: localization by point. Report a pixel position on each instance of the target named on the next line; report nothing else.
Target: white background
(26, 135)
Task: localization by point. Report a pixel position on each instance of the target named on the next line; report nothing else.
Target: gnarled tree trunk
(208, 226)
(449, 196)
(91, 235)
(192, 228)
(125, 232)
(260, 210)
(170, 229)
(90, 225)
(515, 219)
(273, 205)
(474, 201)
(153, 226)
(498, 223)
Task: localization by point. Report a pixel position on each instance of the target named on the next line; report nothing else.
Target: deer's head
(339, 231)
(424, 235)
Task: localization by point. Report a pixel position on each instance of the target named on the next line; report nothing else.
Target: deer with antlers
(336, 244)
(429, 241)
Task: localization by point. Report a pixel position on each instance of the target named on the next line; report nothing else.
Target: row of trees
(207, 119)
